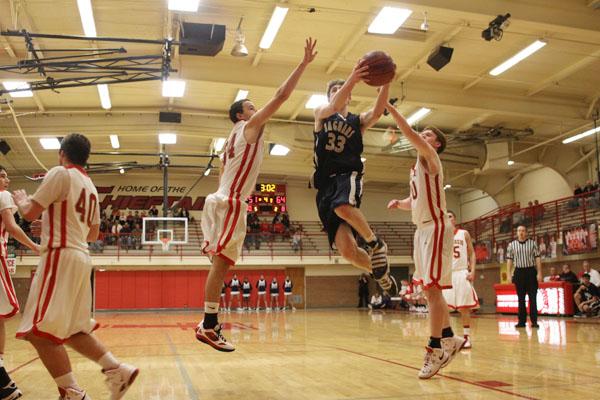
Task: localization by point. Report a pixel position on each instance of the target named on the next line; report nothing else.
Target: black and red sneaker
(213, 338)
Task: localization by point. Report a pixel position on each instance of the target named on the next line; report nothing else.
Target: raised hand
(309, 51)
(19, 196)
(393, 204)
(359, 72)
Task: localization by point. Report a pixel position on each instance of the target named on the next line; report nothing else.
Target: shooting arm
(370, 117)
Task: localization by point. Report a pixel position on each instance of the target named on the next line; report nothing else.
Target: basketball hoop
(165, 243)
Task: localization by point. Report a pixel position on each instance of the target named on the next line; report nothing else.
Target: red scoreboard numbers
(268, 198)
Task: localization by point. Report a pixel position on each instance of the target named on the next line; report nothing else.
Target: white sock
(467, 331)
(108, 361)
(67, 381)
(1, 360)
(371, 238)
(211, 308)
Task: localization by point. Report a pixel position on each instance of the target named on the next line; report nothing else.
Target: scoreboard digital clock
(268, 199)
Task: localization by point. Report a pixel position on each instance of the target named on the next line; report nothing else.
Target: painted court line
(23, 365)
(184, 374)
(521, 396)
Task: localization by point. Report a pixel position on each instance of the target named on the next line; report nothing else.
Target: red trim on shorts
(435, 232)
(63, 224)
(442, 230)
(47, 268)
(51, 284)
(9, 288)
(229, 260)
(231, 195)
(437, 285)
(237, 196)
(48, 336)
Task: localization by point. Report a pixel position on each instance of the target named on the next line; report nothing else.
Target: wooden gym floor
(329, 354)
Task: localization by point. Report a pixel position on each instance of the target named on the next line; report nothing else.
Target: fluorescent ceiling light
(114, 141)
(12, 85)
(184, 5)
(173, 88)
(418, 115)
(104, 96)
(581, 135)
(389, 20)
(447, 186)
(207, 172)
(241, 94)
(274, 24)
(279, 150)
(87, 17)
(167, 138)
(316, 100)
(218, 144)
(121, 171)
(517, 58)
(50, 143)
(510, 162)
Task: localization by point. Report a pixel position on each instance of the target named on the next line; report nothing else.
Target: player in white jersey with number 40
(224, 215)
(432, 242)
(462, 296)
(59, 304)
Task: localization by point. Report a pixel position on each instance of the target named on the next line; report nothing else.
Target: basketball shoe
(72, 394)
(434, 359)
(381, 267)
(213, 338)
(10, 392)
(120, 379)
(452, 345)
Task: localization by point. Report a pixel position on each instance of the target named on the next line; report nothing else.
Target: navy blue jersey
(338, 147)
(234, 285)
(246, 287)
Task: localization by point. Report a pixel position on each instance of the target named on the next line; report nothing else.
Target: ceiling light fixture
(184, 5)
(239, 48)
(418, 115)
(173, 88)
(389, 20)
(207, 172)
(517, 58)
(167, 138)
(104, 96)
(114, 141)
(316, 100)
(241, 94)
(87, 17)
(50, 143)
(274, 24)
(278, 150)
(447, 186)
(21, 86)
(510, 163)
(122, 171)
(218, 144)
(581, 135)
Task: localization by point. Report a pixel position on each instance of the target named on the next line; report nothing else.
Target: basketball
(381, 68)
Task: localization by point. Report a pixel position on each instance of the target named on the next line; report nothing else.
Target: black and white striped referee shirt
(523, 254)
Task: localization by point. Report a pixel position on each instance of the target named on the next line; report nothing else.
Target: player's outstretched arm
(400, 204)
(259, 119)
(424, 149)
(339, 99)
(16, 232)
(370, 117)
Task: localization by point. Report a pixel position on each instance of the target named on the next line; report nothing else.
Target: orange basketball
(381, 68)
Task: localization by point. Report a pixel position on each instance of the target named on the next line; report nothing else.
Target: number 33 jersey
(338, 147)
(71, 207)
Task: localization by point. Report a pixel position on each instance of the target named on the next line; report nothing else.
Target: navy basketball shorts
(340, 189)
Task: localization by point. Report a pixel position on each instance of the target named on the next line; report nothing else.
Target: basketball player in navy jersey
(433, 241)
(338, 175)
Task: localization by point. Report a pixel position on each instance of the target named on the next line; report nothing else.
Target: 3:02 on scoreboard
(268, 198)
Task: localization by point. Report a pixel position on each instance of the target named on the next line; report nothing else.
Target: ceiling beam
(349, 45)
(477, 120)
(565, 72)
(301, 105)
(592, 106)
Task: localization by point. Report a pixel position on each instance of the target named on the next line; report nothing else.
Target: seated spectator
(296, 241)
(125, 236)
(588, 188)
(506, 225)
(587, 297)
(376, 301)
(594, 275)
(129, 218)
(285, 220)
(574, 203)
(528, 214)
(538, 210)
(116, 231)
(136, 237)
(568, 276)
(553, 277)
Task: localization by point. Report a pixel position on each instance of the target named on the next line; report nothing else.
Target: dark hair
(235, 108)
(452, 212)
(2, 168)
(521, 225)
(333, 83)
(441, 138)
(586, 275)
(76, 148)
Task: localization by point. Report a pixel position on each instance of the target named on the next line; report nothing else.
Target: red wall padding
(119, 290)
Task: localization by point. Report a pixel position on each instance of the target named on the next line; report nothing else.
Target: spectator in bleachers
(506, 225)
(542, 246)
(285, 221)
(129, 218)
(538, 211)
(589, 187)
(125, 236)
(296, 241)
(553, 277)
(136, 237)
(116, 230)
(587, 297)
(594, 275)
(528, 214)
(568, 276)
(363, 291)
(574, 203)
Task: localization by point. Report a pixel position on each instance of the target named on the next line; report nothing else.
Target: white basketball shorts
(462, 294)
(9, 304)
(433, 254)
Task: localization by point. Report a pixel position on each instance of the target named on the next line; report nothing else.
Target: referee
(524, 256)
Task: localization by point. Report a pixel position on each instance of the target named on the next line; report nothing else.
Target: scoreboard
(268, 199)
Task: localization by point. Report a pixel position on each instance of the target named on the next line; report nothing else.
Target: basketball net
(165, 243)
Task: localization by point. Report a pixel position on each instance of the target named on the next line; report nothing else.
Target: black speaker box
(201, 39)
(4, 147)
(440, 57)
(169, 117)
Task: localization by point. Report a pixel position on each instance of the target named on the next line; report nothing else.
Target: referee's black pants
(525, 280)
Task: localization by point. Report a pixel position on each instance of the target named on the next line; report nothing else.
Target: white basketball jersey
(72, 210)
(460, 259)
(6, 201)
(427, 197)
(241, 164)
